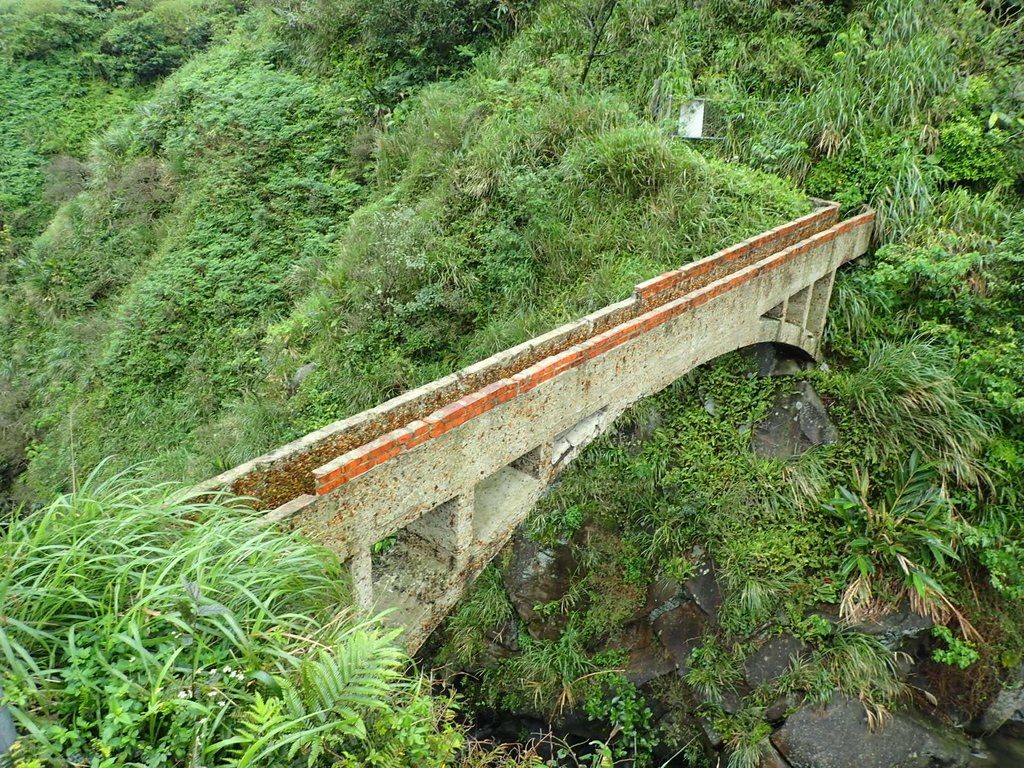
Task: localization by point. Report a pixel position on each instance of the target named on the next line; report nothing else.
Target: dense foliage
(224, 223)
(142, 627)
(209, 255)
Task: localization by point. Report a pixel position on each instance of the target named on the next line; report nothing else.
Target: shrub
(970, 155)
(143, 626)
(139, 50)
(633, 161)
(35, 29)
(398, 43)
(908, 537)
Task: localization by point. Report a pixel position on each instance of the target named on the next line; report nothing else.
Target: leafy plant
(714, 670)
(620, 704)
(958, 653)
(145, 626)
(899, 545)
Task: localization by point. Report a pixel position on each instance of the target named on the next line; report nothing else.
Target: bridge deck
(454, 466)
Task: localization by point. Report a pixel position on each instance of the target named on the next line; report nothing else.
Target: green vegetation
(142, 627)
(198, 198)
(204, 251)
(910, 532)
(166, 307)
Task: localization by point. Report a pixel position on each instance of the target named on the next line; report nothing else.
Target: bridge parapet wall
(452, 483)
(405, 421)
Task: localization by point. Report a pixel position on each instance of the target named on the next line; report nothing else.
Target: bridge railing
(443, 474)
(328, 457)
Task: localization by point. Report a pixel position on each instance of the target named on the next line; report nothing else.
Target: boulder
(771, 660)
(663, 594)
(648, 659)
(535, 576)
(901, 630)
(1006, 712)
(704, 589)
(771, 758)
(838, 737)
(680, 630)
(797, 422)
(681, 734)
(780, 709)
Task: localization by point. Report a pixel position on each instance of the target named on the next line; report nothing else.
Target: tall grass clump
(898, 546)
(861, 666)
(485, 611)
(142, 626)
(907, 393)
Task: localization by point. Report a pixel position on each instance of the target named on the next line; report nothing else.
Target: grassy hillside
(163, 311)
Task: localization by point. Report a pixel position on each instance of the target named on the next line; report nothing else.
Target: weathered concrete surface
(457, 481)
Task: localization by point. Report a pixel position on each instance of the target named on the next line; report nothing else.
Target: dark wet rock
(772, 659)
(1005, 713)
(774, 360)
(663, 594)
(644, 428)
(648, 658)
(771, 758)
(797, 422)
(714, 737)
(781, 708)
(704, 589)
(901, 630)
(503, 729)
(577, 727)
(732, 699)
(506, 639)
(838, 737)
(680, 630)
(535, 576)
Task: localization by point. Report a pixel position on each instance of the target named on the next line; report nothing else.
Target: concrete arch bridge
(453, 467)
